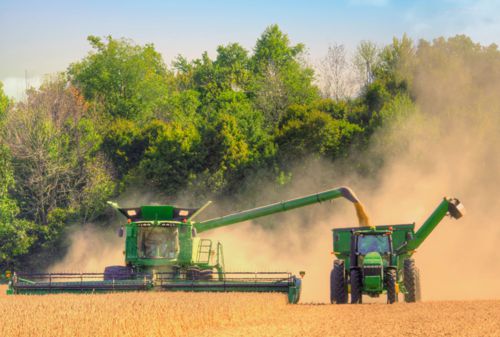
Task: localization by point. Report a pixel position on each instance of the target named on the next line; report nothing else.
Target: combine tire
(356, 286)
(390, 284)
(411, 280)
(117, 273)
(338, 287)
(195, 273)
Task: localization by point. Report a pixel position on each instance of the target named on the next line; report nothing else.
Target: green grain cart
(164, 252)
(374, 260)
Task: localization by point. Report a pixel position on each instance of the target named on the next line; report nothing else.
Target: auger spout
(449, 206)
(283, 206)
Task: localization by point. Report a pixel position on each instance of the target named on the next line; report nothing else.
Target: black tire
(205, 274)
(356, 286)
(411, 280)
(418, 292)
(390, 284)
(338, 286)
(192, 273)
(117, 273)
(195, 273)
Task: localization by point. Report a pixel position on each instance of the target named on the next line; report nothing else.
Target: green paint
(374, 259)
(162, 240)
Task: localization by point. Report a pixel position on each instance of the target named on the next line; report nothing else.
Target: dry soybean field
(188, 314)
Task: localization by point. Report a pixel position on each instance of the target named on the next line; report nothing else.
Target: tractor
(374, 260)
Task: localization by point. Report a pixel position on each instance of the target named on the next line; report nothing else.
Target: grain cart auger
(373, 260)
(164, 252)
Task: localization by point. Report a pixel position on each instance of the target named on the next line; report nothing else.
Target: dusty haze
(448, 147)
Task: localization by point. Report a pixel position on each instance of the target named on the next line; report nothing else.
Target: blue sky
(41, 37)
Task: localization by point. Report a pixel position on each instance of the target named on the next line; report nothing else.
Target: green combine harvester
(374, 260)
(164, 252)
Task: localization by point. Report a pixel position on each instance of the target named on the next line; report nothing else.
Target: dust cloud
(91, 249)
(449, 146)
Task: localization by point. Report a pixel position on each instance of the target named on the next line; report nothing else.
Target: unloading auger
(164, 252)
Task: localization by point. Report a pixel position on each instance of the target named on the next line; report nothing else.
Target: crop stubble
(209, 314)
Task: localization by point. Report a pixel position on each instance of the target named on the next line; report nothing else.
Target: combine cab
(164, 252)
(374, 260)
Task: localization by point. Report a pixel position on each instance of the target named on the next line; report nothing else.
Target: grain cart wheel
(356, 286)
(117, 273)
(338, 286)
(390, 284)
(418, 292)
(411, 281)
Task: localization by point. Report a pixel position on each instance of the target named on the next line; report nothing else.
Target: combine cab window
(373, 243)
(154, 243)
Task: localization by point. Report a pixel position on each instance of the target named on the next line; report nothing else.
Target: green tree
(281, 78)
(307, 132)
(16, 235)
(171, 159)
(124, 145)
(129, 81)
(4, 103)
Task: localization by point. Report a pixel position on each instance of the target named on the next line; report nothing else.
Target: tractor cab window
(157, 242)
(373, 243)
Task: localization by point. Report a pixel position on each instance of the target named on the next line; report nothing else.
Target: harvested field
(188, 314)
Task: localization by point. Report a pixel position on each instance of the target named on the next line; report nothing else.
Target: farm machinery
(373, 260)
(164, 252)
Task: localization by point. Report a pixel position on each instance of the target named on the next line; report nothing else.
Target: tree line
(121, 117)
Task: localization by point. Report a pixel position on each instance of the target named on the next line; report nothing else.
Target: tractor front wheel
(338, 287)
(411, 279)
(356, 286)
(390, 284)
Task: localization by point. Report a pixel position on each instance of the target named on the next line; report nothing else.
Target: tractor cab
(370, 245)
(371, 254)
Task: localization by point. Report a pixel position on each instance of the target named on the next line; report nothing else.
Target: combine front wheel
(112, 273)
(338, 288)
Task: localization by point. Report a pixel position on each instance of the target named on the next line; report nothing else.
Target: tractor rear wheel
(390, 284)
(117, 273)
(356, 286)
(338, 288)
(411, 280)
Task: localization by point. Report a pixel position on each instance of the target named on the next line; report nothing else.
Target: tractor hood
(373, 272)
(373, 259)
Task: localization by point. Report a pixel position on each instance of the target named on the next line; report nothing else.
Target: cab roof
(152, 213)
